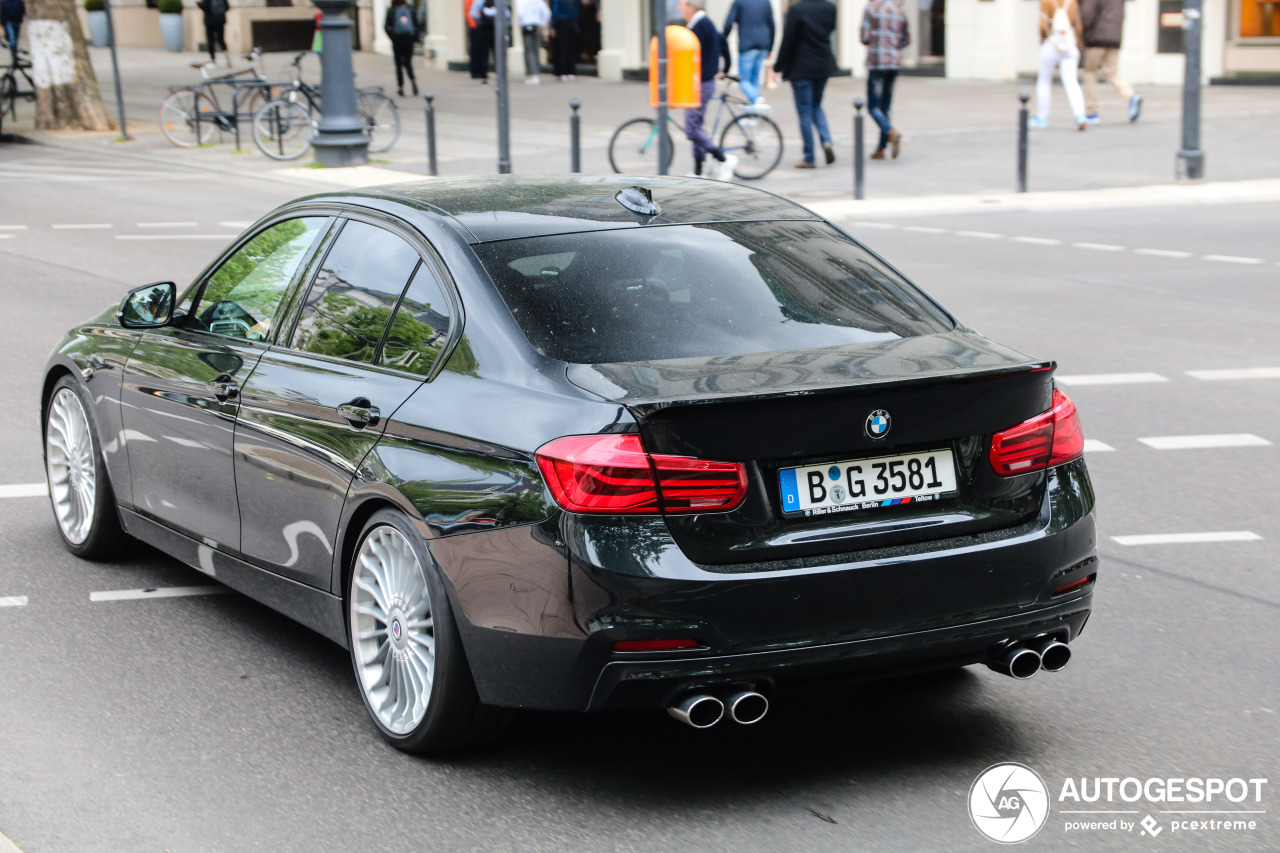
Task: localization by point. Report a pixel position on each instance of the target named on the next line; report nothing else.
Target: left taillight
(1048, 439)
(613, 474)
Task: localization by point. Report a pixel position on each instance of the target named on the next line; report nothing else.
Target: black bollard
(857, 149)
(431, 136)
(575, 139)
(1022, 142)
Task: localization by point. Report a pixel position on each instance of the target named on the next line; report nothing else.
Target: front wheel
(381, 120)
(282, 130)
(633, 149)
(757, 142)
(408, 657)
(178, 118)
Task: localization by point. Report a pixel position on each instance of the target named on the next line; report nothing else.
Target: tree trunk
(67, 93)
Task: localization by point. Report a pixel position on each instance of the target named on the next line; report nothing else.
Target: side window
(420, 326)
(242, 296)
(355, 291)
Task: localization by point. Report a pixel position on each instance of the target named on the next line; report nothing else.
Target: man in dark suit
(805, 59)
(715, 51)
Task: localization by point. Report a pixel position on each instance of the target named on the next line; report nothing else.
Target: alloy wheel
(73, 474)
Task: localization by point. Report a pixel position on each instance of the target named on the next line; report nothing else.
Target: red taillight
(1076, 584)
(653, 645)
(1046, 440)
(612, 474)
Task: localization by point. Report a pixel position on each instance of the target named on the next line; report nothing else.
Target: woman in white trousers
(1061, 50)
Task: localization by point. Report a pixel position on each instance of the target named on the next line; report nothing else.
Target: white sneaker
(532, 81)
(747, 121)
(724, 171)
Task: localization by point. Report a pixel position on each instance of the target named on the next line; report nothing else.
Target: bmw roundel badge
(878, 424)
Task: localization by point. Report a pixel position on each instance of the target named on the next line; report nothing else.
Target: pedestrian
(401, 26)
(715, 50)
(885, 33)
(806, 60)
(482, 14)
(215, 27)
(564, 30)
(534, 17)
(1103, 22)
(1060, 31)
(12, 14)
(756, 33)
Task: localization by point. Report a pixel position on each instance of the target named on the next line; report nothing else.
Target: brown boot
(895, 142)
(878, 154)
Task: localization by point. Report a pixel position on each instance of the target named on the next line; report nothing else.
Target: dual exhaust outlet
(1023, 660)
(702, 710)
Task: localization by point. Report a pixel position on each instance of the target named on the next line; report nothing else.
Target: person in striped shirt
(885, 33)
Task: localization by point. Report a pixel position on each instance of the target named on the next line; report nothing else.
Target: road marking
(1163, 253)
(161, 592)
(24, 490)
(13, 228)
(1039, 241)
(1236, 373)
(1187, 538)
(6, 236)
(924, 229)
(1110, 378)
(235, 224)
(884, 226)
(1233, 259)
(167, 224)
(176, 236)
(79, 227)
(981, 235)
(13, 601)
(1099, 247)
(1092, 445)
(1194, 442)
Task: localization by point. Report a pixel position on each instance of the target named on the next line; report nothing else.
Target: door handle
(359, 413)
(224, 388)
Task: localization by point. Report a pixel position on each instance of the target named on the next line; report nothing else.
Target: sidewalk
(960, 136)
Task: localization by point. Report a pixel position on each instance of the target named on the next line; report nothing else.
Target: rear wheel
(633, 150)
(282, 130)
(178, 118)
(381, 120)
(408, 657)
(757, 142)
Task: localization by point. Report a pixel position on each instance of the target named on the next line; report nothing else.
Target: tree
(67, 93)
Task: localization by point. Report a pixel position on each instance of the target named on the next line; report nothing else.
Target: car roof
(504, 207)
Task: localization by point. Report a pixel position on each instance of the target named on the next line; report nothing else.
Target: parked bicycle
(282, 128)
(194, 115)
(11, 79)
(748, 133)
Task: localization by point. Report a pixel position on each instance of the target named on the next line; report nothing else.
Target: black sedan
(580, 444)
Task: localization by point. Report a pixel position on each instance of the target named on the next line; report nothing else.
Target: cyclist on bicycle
(715, 50)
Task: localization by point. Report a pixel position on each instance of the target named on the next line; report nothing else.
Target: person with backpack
(401, 26)
(215, 27)
(1103, 24)
(1060, 39)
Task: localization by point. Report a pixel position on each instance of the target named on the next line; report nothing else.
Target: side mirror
(149, 306)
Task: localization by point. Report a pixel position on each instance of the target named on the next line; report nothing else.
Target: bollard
(1022, 142)
(857, 149)
(575, 139)
(431, 136)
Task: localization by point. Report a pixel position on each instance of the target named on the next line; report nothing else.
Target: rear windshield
(687, 291)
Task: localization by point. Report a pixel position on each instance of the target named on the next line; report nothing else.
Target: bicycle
(192, 115)
(282, 127)
(753, 137)
(11, 87)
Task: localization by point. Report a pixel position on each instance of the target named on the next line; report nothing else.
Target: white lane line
(1099, 247)
(6, 236)
(80, 227)
(924, 229)
(981, 235)
(1187, 538)
(13, 228)
(153, 592)
(24, 490)
(1233, 259)
(1163, 253)
(884, 226)
(1195, 442)
(13, 601)
(176, 236)
(1092, 445)
(235, 224)
(1038, 241)
(1236, 373)
(1109, 378)
(168, 224)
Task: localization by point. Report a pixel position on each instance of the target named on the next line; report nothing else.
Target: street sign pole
(660, 32)
(500, 28)
(1190, 163)
(115, 68)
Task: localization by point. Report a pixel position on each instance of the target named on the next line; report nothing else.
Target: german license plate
(867, 483)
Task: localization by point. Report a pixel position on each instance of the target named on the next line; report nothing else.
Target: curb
(7, 846)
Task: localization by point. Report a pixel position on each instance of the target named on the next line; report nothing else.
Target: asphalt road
(211, 723)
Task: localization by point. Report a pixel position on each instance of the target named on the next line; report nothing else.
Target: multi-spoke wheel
(79, 490)
(757, 142)
(178, 118)
(633, 149)
(381, 120)
(282, 129)
(405, 646)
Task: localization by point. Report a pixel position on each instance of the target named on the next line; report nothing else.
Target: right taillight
(613, 474)
(1048, 439)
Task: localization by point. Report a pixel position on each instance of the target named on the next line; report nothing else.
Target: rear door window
(420, 326)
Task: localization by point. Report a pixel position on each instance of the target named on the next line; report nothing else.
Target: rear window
(687, 291)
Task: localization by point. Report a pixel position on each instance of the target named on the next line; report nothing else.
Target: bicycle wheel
(178, 118)
(282, 130)
(633, 150)
(757, 142)
(8, 94)
(381, 120)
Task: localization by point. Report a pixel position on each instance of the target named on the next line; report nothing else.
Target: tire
(8, 95)
(177, 118)
(407, 654)
(758, 146)
(80, 493)
(633, 149)
(381, 119)
(282, 130)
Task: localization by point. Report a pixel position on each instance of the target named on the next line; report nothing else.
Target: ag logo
(1009, 803)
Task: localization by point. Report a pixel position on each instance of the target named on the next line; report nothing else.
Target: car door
(314, 408)
(180, 391)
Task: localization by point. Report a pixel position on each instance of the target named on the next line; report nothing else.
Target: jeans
(11, 31)
(532, 37)
(402, 52)
(702, 144)
(880, 99)
(808, 96)
(749, 64)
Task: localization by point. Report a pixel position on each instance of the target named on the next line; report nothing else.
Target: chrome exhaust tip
(747, 707)
(1054, 655)
(1017, 662)
(698, 710)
